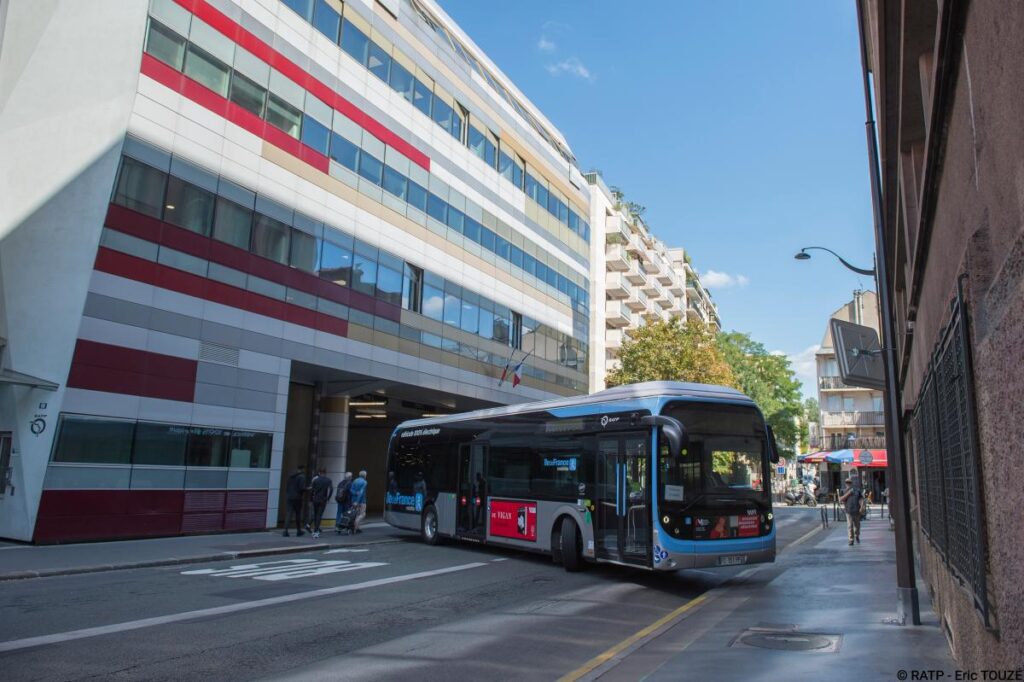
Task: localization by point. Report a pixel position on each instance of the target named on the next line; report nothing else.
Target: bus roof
(648, 389)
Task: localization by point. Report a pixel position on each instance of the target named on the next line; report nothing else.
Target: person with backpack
(294, 489)
(320, 492)
(357, 495)
(851, 500)
(344, 500)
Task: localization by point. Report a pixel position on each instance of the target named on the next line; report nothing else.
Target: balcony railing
(833, 384)
(853, 418)
(838, 441)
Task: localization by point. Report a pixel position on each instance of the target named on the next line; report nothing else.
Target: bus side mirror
(672, 429)
(773, 448)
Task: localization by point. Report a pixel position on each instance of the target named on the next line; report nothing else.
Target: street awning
(812, 458)
(859, 458)
(10, 377)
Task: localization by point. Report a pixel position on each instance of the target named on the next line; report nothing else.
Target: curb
(178, 561)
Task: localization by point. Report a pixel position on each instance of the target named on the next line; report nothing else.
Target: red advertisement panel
(514, 519)
(749, 526)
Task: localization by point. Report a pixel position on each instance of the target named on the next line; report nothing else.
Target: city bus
(657, 475)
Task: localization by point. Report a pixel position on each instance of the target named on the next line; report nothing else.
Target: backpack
(342, 495)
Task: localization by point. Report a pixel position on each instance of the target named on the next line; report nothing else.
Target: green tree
(670, 351)
(771, 383)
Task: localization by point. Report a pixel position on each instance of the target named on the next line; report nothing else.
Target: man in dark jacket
(320, 493)
(850, 500)
(293, 491)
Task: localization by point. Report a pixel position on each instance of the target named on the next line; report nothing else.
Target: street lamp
(803, 255)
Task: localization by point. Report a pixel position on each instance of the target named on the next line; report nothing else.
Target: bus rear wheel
(428, 529)
(570, 546)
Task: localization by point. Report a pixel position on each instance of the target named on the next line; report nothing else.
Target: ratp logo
(604, 421)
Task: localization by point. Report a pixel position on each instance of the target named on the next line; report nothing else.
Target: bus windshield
(725, 460)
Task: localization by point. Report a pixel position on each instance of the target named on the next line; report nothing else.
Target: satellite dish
(859, 355)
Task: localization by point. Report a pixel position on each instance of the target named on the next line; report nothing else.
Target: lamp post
(899, 499)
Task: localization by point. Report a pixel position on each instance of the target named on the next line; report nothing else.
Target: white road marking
(341, 551)
(501, 559)
(41, 640)
(286, 569)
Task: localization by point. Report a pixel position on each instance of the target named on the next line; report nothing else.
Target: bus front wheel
(569, 544)
(428, 529)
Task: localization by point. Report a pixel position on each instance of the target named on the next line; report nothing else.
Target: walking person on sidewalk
(357, 495)
(344, 500)
(296, 486)
(319, 494)
(850, 500)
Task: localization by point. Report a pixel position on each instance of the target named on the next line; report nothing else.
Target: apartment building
(851, 417)
(638, 278)
(237, 236)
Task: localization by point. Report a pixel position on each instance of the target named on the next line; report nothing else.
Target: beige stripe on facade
(375, 208)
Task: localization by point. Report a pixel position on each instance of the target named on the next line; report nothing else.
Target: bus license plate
(732, 560)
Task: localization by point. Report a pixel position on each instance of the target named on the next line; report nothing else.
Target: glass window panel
(452, 309)
(529, 264)
(412, 284)
(532, 187)
(207, 70)
(437, 208)
(303, 255)
(421, 96)
(162, 444)
(542, 196)
(489, 153)
(378, 61)
(94, 441)
(457, 120)
(563, 212)
(354, 41)
(501, 247)
(140, 187)
(283, 115)
(394, 182)
(370, 168)
(470, 317)
(505, 165)
(389, 285)
(456, 219)
(501, 327)
(487, 239)
(433, 302)
(304, 8)
(486, 324)
(517, 175)
(344, 152)
(315, 134)
(270, 238)
(574, 221)
(207, 447)
(335, 263)
(232, 223)
(472, 230)
(517, 256)
(442, 113)
(552, 205)
(165, 45)
(417, 196)
(247, 94)
(475, 140)
(326, 20)
(364, 274)
(189, 206)
(401, 80)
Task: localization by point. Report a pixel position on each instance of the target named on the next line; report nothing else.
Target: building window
(282, 115)
(354, 41)
(364, 269)
(344, 152)
(326, 20)
(412, 285)
(270, 239)
(389, 279)
(421, 97)
(165, 45)
(378, 61)
(160, 444)
(401, 81)
(189, 206)
(437, 208)
(394, 182)
(370, 168)
(140, 187)
(207, 447)
(315, 134)
(232, 223)
(207, 70)
(251, 450)
(94, 441)
(303, 251)
(335, 263)
(442, 113)
(304, 8)
(247, 94)
(452, 307)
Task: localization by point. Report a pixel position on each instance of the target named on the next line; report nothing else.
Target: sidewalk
(765, 624)
(29, 561)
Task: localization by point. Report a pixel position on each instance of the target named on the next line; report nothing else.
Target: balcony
(613, 339)
(615, 227)
(651, 266)
(853, 419)
(652, 288)
(635, 275)
(677, 287)
(836, 384)
(839, 441)
(677, 312)
(695, 312)
(637, 301)
(665, 276)
(616, 259)
(616, 315)
(616, 286)
(665, 300)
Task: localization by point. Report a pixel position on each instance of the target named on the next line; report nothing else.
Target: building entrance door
(6, 471)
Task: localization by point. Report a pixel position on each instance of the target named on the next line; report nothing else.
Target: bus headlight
(770, 516)
(665, 519)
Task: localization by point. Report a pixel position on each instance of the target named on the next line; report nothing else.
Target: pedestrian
(357, 497)
(319, 494)
(344, 500)
(293, 491)
(851, 499)
(308, 500)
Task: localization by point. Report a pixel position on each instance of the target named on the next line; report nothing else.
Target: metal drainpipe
(907, 599)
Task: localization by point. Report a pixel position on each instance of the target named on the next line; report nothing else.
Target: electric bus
(657, 475)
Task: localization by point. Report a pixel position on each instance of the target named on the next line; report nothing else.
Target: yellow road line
(626, 643)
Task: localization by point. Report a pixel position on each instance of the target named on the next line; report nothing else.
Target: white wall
(68, 74)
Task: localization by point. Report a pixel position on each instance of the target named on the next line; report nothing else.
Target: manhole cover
(788, 640)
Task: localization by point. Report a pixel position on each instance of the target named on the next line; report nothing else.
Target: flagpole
(508, 364)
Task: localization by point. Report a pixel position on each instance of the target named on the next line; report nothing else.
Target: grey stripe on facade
(436, 156)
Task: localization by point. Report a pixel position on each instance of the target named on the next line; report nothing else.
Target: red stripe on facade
(144, 227)
(249, 41)
(148, 272)
(116, 369)
(208, 99)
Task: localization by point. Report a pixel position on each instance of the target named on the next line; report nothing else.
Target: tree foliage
(670, 351)
(771, 383)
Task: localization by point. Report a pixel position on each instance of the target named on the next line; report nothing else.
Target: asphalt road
(383, 611)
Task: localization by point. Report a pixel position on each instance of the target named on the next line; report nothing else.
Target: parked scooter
(801, 495)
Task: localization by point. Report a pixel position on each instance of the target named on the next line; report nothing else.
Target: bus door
(622, 526)
(472, 517)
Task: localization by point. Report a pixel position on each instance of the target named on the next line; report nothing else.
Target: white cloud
(571, 66)
(718, 280)
(805, 367)
(545, 44)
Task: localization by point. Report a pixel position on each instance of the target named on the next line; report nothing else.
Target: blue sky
(739, 125)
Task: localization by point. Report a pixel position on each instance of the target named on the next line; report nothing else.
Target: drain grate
(788, 639)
